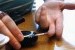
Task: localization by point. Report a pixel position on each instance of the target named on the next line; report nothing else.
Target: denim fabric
(16, 8)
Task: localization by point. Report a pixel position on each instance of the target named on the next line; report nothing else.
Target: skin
(49, 15)
(9, 28)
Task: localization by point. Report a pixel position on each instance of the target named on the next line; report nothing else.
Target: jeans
(16, 8)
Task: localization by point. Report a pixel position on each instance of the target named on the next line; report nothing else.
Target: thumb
(43, 17)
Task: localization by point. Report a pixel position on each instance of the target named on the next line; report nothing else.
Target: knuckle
(7, 19)
(1, 24)
(2, 14)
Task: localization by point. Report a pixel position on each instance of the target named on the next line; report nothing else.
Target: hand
(49, 15)
(9, 28)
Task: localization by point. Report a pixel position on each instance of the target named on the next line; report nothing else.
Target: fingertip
(59, 29)
(50, 34)
(51, 30)
(59, 33)
(19, 36)
(15, 45)
(59, 36)
(18, 47)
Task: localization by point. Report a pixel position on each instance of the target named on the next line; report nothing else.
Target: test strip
(40, 34)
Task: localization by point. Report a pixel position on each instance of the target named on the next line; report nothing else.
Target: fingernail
(20, 37)
(17, 45)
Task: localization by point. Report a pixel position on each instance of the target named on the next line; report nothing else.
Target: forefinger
(12, 27)
(59, 26)
(13, 41)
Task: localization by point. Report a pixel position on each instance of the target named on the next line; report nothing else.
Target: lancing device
(32, 33)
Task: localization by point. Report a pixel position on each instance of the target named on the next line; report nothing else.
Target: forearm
(54, 0)
(69, 6)
(65, 5)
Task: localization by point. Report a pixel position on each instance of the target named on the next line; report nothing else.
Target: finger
(59, 27)
(51, 30)
(12, 27)
(43, 17)
(37, 15)
(13, 41)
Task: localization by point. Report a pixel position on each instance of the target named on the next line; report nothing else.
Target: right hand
(10, 29)
(49, 15)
